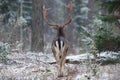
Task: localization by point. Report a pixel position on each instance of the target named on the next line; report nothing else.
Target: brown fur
(59, 54)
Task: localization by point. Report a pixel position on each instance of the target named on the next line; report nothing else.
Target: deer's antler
(70, 7)
(46, 18)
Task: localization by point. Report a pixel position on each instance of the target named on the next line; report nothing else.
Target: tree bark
(37, 43)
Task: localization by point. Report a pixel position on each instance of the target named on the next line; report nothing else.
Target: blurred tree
(81, 14)
(8, 8)
(81, 21)
(37, 27)
(107, 37)
(11, 8)
(110, 11)
(17, 19)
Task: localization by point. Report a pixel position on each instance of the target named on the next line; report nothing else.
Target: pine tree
(110, 11)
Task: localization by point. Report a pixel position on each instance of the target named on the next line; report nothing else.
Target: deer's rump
(59, 43)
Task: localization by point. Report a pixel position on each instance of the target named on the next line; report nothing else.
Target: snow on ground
(108, 54)
(35, 66)
(80, 57)
(85, 56)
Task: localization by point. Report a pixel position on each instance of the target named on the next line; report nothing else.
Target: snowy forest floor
(36, 66)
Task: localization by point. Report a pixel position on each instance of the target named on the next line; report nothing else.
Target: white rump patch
(57, 48)
(61, 42)
(57, 44)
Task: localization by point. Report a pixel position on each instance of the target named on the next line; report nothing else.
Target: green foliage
(105, 40)
(108, 18)
(111, 8)
(4, 51)
(111, 5)
(109, 60)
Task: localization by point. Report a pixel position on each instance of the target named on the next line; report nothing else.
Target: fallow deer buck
(59, 45)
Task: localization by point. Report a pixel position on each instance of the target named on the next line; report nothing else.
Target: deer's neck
(60, 33)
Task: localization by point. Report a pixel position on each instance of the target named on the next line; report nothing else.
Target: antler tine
(70, 7)
(46, 17)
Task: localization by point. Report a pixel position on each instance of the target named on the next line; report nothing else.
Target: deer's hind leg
(63, 60)
(58, 58)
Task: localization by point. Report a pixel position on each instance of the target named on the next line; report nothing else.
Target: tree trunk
(37, 44)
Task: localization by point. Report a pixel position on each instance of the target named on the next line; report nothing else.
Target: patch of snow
(85, 1)
(85, 56)
(80, 57)
(85, 9)
(119, 20)
(108, 54)
(81, 77)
